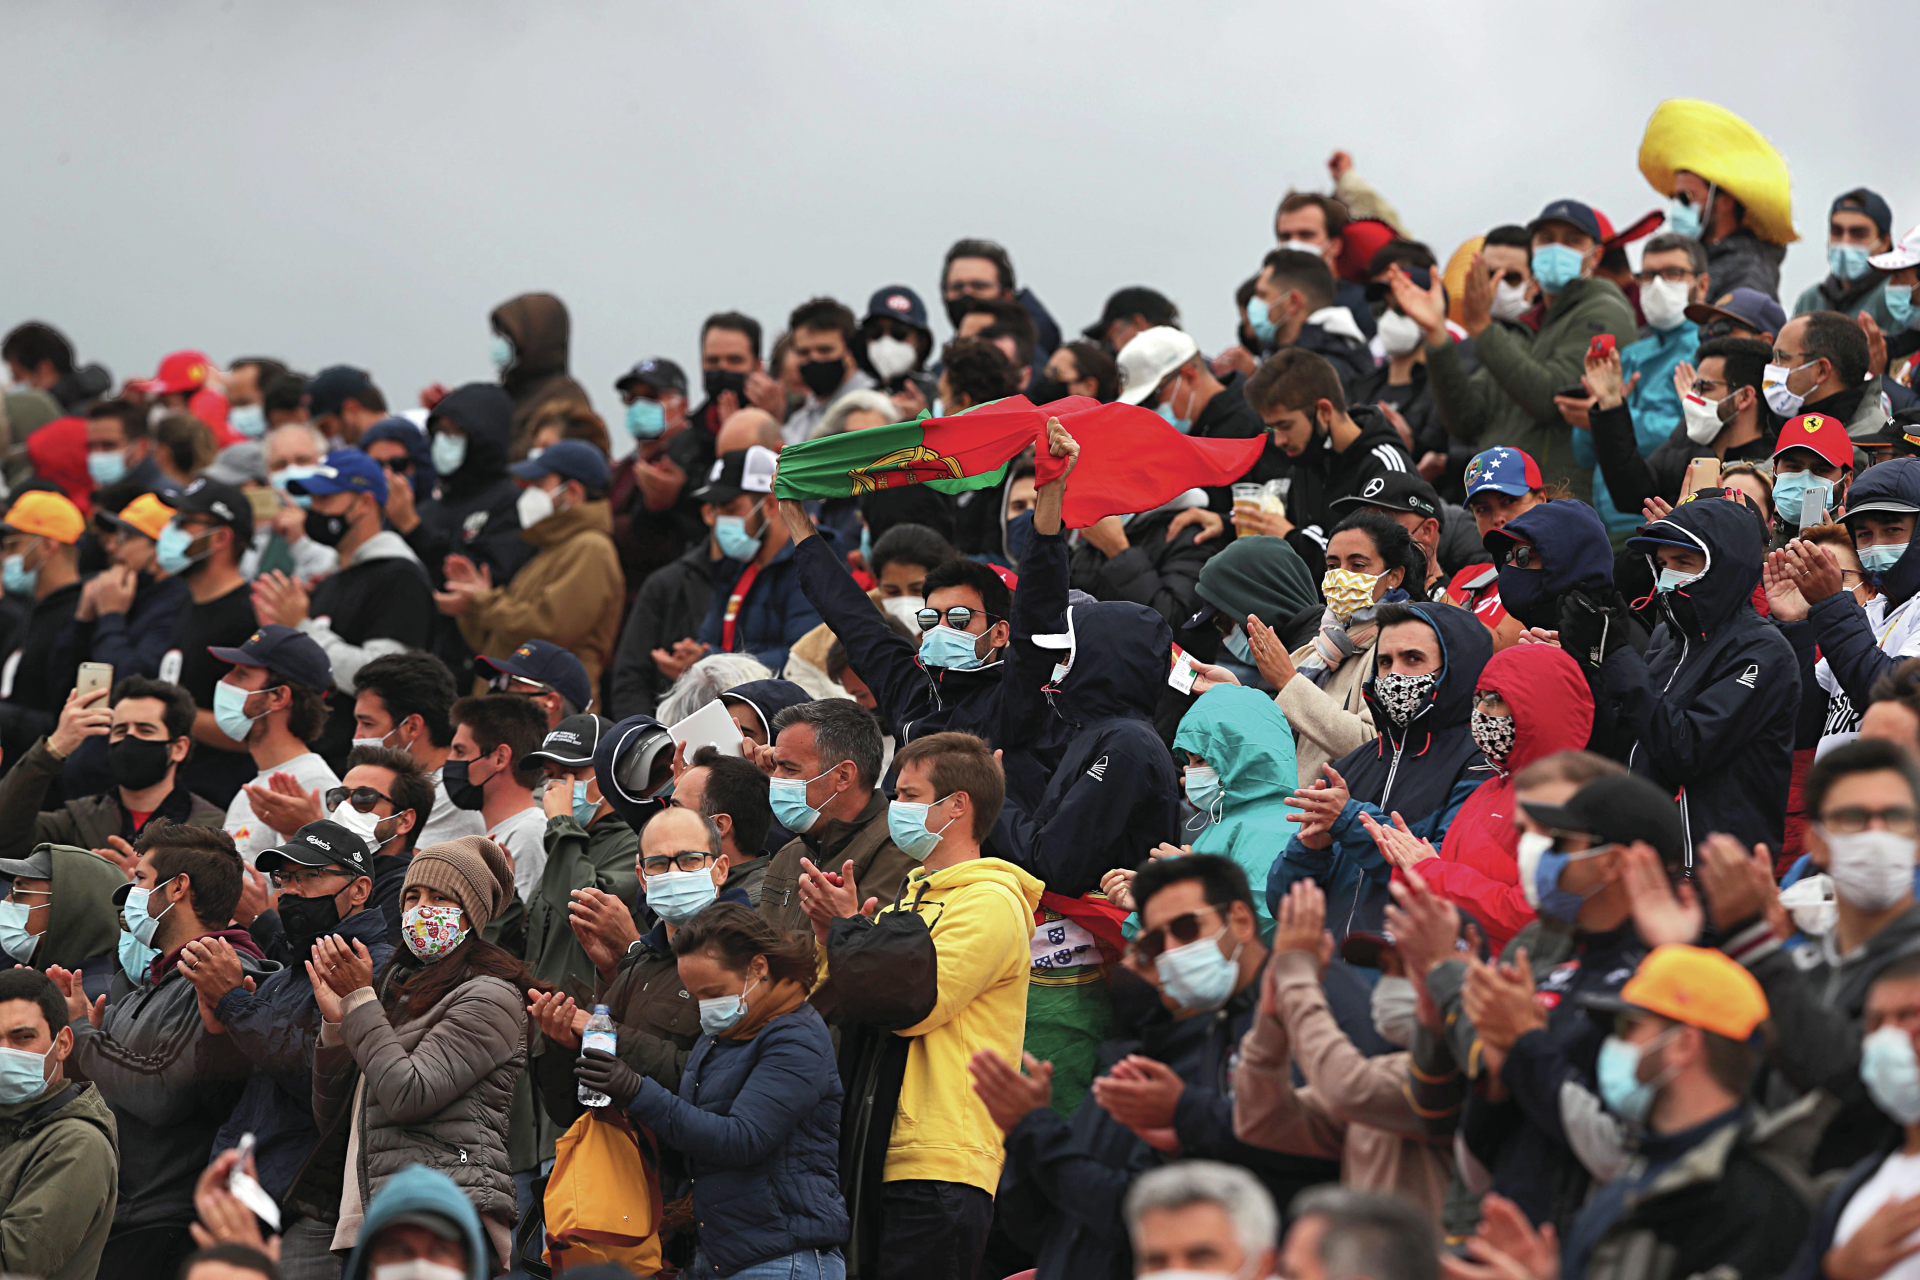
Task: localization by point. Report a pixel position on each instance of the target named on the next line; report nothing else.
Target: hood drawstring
(1423, 746)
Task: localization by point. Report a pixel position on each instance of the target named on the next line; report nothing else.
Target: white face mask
(417, 1269)
(1399, 334)
(905, 608)
(1773, 384)
(1302, 246)
(1395, 1010)
(1702, 417)
(1664, 303)
(1870, 869)
(890, 357)
(534, 505)
(1509, 301)
(1810, 902)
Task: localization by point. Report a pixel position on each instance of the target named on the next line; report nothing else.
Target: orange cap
(48, 515)
(145, 515)
(1699, 986)
(1823, 433)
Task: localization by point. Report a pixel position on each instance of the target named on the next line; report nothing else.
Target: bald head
(673, 831)
(746, 428)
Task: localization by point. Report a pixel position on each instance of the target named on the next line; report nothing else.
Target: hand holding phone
(1601, 347)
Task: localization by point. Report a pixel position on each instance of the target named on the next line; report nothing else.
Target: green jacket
(59, 1182)
(1508, 400)
(598, 857)
(1243, 734)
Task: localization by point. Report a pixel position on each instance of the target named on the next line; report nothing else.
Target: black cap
(544, 662)
(748, 470)
(897, 302)
(217, 501)
(1421, 276)
(332, 387)
(325, 843)
(571, 743)
(657, 372)
(295, 654)
(1394, 491)
(1151, 305)
(1571, 212)
(1619, 809)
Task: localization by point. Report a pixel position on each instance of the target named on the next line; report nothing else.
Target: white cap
(1149, 358)
(1905, 253)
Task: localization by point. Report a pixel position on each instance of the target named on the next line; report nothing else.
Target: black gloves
(600, 1070)
(1589, 631)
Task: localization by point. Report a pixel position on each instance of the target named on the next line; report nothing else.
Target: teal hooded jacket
(1245, 737)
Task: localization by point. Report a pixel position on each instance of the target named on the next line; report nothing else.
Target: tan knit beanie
(471, 870)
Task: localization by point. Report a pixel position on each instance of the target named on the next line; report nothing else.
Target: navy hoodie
(1422, 770)
(1837, 624)
(403, 432)
(474, 513)
(1712, 705)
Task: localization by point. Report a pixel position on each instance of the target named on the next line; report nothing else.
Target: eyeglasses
(1487, 697)
(1182, 929)
(959, 617)
(1900, 819)
(685, 860)
(1718, 329)
(1781, 357)
(1524, 555)
(1672, 275)
(1700, 385)
(306, 877)
(363, 798)
(526, 688)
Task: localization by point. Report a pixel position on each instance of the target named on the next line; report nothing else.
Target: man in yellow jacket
(570, 592)
(944, 1153)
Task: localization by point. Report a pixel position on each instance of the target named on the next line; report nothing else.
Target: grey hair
(1379, 1237)
(705, 681)
(835, 421)
(1667, 241)
(1238, 1193)
(842, 730)
(319, 437)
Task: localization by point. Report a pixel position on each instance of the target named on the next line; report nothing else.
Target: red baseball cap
(1823, 433)
(180, 372)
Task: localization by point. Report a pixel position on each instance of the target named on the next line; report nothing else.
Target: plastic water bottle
(598, 1035)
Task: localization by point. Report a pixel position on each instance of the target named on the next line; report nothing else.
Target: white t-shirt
(445, 822)
(1897, 1179)
(524, 838)
(254, 836)
(1898, 637)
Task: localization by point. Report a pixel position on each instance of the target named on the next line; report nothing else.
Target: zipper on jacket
(1686, 647)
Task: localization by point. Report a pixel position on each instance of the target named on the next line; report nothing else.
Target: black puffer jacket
(1152, 570)
(474, 514)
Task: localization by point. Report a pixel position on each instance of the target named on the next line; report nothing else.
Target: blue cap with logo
(544, 662)
(570, 459)
(294, 654)
(1571, 212)
(1509, 471)
(344, 471)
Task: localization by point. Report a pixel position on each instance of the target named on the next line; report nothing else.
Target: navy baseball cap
(325, 843)
(344, 471)
(544, 662)
(1571, 212)
(331, 388)
(571, 743)
(657, 372)
(1748, 308)
(1871, 203)
(1509, 471)
(572, 459)
(897, 302)
(294, 653)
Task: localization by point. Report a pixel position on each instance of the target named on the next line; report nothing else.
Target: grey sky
(362, 182)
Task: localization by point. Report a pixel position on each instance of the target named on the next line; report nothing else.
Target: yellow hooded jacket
(980, 913)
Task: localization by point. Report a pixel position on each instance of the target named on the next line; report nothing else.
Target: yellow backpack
(603, 1196)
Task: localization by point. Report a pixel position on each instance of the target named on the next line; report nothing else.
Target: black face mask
(720, 381)
(308, 919)
(823, 377)
(1045, 390)
(465, 793)
(957, 307)
(325, 529)
(138, 763)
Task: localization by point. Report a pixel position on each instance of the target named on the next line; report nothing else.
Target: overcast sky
(362, 182)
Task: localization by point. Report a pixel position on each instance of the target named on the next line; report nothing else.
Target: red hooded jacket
(1552, 711)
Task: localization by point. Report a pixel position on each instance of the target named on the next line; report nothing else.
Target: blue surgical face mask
(946, 647)
(788, 797)
(1165, 410)
(1203, 789)
(1899, 300)
(1197, 975)
(907, 825)
(139, 923)
(108, 466)
(1683, 218)
(136, 957)
(14, 938)
(501, 351)
(250, 420)
(1618, 1075)
(1847, 261)
(1673, 580)
(448, 451)
(646, 420)
(1540, 868)
(230, 711)
(1792, 489)
(23, 1075)
(1238, 646)
(735, 543)
(1556, 266)
(721, 1014)
(583, 808)
(16, 579)
(1260, 320)
(866, 547)
(1891, 1073)
(172, 549)
(678, 896)
(1881, 556)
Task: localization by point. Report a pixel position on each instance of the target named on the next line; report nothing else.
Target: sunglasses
(363, 798)
(1523, 555)
(1179, 931)
(685, 860)
(960, 617)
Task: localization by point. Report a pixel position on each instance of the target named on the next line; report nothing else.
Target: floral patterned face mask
(430, 931)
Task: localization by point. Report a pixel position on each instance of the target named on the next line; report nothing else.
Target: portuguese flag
(1130, 459)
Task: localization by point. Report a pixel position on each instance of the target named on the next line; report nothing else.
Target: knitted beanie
(471, 870)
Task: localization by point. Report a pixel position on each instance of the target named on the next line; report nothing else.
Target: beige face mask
(1347, 591)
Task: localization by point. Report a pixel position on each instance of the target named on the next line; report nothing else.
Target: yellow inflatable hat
(1455, 276)
(1711, 141)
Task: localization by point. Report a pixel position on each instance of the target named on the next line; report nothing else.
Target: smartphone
(1601, 347)
(1574, 392)
(1702, 473)
(247, 1189)
(93, 675)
